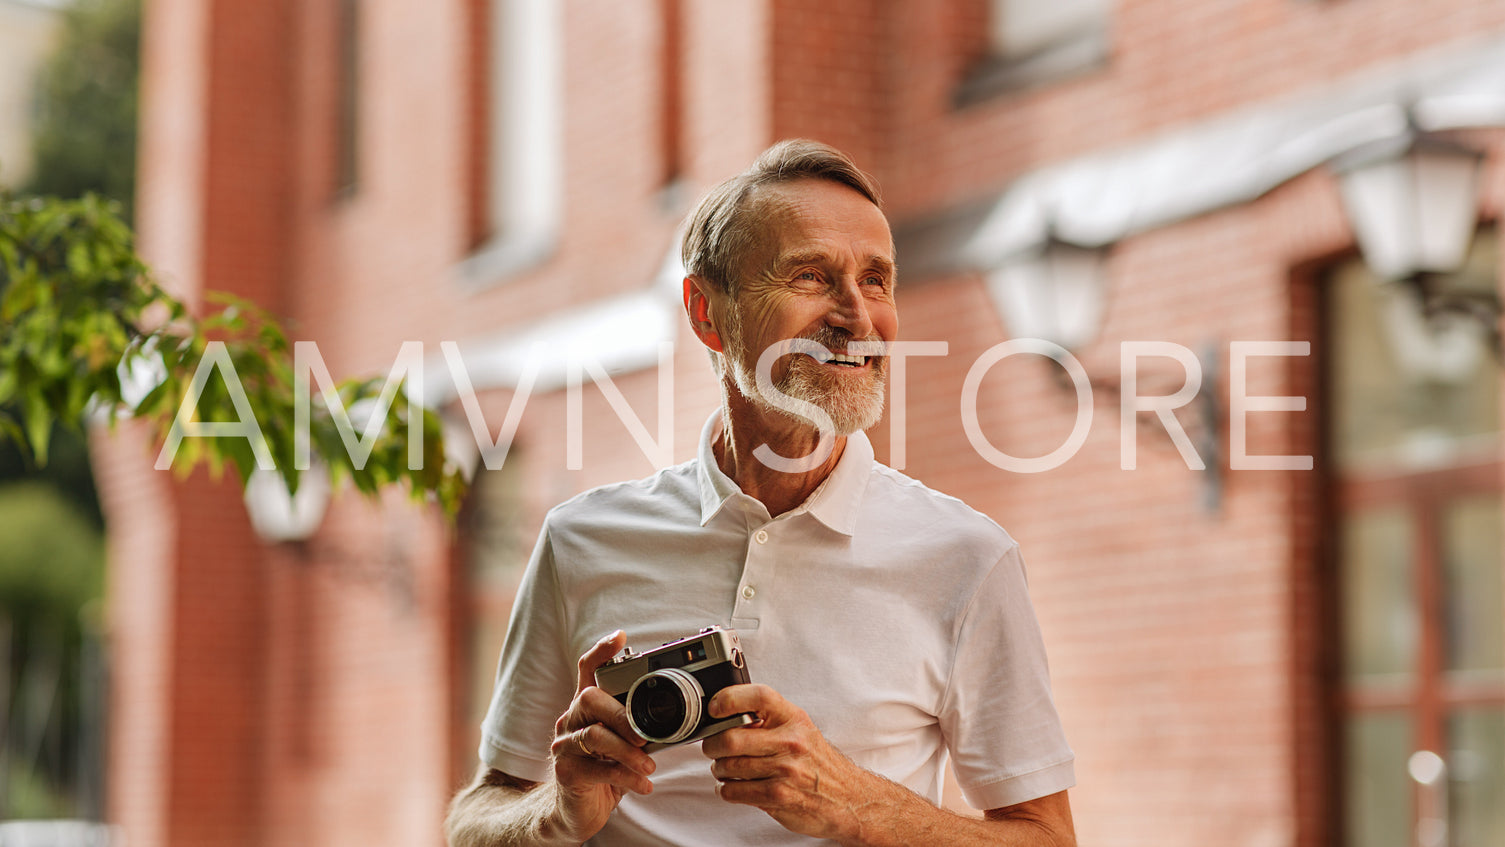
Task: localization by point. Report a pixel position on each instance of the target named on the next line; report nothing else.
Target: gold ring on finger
(580, 742)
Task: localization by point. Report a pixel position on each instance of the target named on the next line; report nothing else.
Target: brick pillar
(188, 581)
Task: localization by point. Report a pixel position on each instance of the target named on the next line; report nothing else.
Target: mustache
(836, 339)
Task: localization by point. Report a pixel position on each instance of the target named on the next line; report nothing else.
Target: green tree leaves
(71, 299)
(79, 311)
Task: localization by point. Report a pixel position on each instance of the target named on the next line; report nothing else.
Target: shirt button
(748, 591)
(762, 536)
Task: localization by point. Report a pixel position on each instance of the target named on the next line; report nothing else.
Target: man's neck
(744, 428)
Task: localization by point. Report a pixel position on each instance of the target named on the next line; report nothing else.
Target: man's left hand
(783, 765)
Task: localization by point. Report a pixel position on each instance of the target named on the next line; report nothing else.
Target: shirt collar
(836, 502)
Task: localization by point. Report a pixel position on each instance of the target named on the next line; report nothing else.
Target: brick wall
(308, 694)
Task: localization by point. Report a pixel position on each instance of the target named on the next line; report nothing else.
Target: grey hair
(725, 224)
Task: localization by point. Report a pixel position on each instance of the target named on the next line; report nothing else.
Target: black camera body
(665, 690)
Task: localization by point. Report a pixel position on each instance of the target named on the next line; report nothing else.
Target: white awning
(1235, 158)
(620, 334)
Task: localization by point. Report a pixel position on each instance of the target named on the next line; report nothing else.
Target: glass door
(1414, 462)
(1422, 693)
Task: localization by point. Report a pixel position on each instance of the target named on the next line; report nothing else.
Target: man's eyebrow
(789, 261)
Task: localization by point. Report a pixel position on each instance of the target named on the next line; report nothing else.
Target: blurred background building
(1261, 596)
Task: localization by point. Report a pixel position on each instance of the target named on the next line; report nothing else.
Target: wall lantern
(1412, 201)
(1054, 292)
(278, 516)
(1057, 292)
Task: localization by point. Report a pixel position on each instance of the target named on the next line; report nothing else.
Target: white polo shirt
(895, 616)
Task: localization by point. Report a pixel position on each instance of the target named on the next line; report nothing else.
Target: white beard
(852, 406)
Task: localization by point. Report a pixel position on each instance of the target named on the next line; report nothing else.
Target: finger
(756, 741)
(763, 793)
(599, 654)
(578, 773)
(752, 767)
(603, 708)
(594, 755)
(601, 743)
(762, 700)
(595, 706)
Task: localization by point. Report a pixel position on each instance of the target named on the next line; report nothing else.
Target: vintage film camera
(665, 690)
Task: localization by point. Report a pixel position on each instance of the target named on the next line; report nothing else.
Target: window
(671, 99)
(347, 122)
(1023, 29)
(1416, 473)
(1032, 42)
(517, 159)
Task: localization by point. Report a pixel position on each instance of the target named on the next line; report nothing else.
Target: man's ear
(698, 293)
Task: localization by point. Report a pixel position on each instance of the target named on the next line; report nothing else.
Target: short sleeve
(1005, 739)
(535, 678)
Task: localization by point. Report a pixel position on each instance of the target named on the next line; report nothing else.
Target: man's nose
(849, 309)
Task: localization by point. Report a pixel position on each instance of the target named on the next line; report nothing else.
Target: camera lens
(664, 706)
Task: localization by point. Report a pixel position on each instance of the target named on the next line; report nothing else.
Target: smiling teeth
(844, 359)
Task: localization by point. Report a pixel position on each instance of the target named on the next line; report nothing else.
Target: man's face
(823, 269)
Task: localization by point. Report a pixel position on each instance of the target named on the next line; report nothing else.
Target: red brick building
(1242, 656)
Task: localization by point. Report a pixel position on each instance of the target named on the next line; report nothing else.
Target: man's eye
(875, 280)
(807, 275)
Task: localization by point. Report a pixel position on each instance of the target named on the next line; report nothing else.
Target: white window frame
(1022, 28)
(1035, 41)
(523, 197)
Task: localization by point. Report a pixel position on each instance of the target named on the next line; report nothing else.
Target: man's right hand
(597, 756)
(597, 759)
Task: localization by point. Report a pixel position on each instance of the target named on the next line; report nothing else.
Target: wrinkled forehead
(780, 214)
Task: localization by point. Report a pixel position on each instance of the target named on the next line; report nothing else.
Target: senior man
(886, 626)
